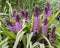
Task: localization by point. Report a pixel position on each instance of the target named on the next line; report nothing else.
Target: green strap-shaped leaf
(10, 10)
(50, 46)
(11, 34)
(35, 44)
(29, 39)
(19, 37)
(3, 14)
(3, 41)
(53, 17)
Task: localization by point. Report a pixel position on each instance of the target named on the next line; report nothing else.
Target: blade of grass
(53, 17)
(19, 37)
(10, 10)
(29, 39)
(50, 46)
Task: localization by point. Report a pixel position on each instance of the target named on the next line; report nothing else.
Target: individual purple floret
(47, 11)
(36, 20)
(52, 35)
(25, 15)
(14, 14)
(45, 27)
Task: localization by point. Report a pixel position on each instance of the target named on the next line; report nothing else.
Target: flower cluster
(16, 26)
(47, 13)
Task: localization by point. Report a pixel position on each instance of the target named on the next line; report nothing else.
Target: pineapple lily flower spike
(47, 11)
(25, 15)
(14, 26)
(52, 35)
(36, 20)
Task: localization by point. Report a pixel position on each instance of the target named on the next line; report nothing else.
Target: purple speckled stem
(14, 26)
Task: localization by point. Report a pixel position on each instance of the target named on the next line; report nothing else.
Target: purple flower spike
(47, 11)
(25, 15)
(36, 24)
(14, 14)
(36, 20)
(45, 27)
(16, 26)
(52, 35)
